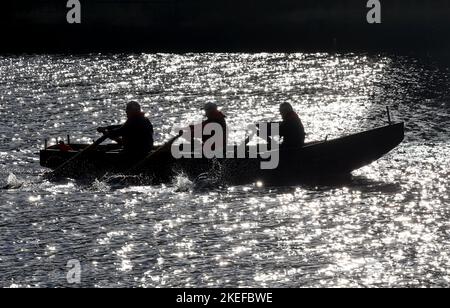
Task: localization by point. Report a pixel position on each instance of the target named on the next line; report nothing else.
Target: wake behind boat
(314, 160)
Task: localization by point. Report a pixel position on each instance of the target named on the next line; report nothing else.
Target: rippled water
(389, 226)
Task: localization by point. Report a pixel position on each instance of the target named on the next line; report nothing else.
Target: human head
(210, 108)
(285, 109)
(133, 108)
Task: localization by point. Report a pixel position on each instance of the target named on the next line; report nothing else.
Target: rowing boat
(315, 160)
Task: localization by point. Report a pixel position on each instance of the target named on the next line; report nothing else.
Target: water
(389, 226)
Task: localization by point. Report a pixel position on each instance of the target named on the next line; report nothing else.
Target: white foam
(12, 182)
(182, 183)
(100, 186)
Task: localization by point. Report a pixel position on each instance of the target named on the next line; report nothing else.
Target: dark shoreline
(180, 26)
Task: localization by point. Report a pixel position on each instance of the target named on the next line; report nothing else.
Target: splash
(207, 182)
(182, 183)
(211, 180)
(100, 186)
(12, 182)
(120, 181)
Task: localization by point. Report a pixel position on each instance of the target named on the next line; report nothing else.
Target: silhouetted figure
(213, 115)
(291, 129)
(136, 135)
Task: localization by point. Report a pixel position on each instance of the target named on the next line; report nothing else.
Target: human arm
(106, 129)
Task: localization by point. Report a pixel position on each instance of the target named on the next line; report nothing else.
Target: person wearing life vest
(291, 128)
(213, 115)
(136, 135)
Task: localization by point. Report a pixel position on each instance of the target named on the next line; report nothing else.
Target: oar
(147, 159)
(92, 147)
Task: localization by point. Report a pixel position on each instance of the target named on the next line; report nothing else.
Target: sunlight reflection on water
(389, 226)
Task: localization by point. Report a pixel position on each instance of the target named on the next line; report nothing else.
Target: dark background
(224, 25)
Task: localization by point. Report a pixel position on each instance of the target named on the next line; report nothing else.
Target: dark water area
(178, 26)
(388, 226)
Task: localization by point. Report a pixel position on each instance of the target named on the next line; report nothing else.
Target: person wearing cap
(213, 115)
(291, 128)
(136, 135)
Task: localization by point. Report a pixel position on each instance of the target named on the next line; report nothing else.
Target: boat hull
(316, 160)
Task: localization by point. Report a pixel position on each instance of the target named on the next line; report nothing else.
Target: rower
(291, 128)
(136, 135)
(213, 115)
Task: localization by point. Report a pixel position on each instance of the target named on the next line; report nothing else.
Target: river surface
(389, 226)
